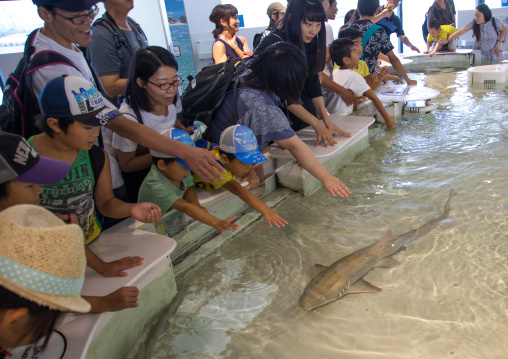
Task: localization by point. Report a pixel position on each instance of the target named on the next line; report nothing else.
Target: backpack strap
(368, 34)
(236, 83)
(97, 159)
(138, 31)
(48, 58)
(138, 115)
(117, 37)
(493, 19)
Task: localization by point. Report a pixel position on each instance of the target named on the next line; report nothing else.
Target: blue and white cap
(241, 142)
(73, 96)
(42, 258)
(177, 135)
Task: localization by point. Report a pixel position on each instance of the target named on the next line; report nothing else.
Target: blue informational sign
(242, 24)
(504, 3)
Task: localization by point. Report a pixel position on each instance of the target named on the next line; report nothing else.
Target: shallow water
(447, 299)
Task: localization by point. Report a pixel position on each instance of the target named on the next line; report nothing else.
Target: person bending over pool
(437, 32)
(277, 73)
(488, 32)
(303, 26)
(343, 54)
(238, 152)
(170, 185)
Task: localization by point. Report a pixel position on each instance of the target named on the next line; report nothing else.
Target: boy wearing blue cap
(237, 153)
(73, 112)
(169, 184)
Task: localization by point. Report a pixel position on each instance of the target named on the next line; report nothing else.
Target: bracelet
(498, 41)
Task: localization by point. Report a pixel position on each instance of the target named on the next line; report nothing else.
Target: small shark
(345, 275)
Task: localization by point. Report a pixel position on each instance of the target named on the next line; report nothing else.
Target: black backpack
(257, 40)
(425, 26)
(20, 106)
(207, 90)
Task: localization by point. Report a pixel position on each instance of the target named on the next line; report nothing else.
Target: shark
(345, 276)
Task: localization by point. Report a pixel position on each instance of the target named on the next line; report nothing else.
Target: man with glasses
(67, 23)
(391, 23)
(115, 39)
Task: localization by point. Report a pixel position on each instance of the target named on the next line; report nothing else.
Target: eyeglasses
(81, 19)
(167, 85)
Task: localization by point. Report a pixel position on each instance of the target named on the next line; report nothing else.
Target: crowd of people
(59, 189)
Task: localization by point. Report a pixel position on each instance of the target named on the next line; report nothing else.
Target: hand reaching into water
(225, 224)
(336, 187)
(273, 217)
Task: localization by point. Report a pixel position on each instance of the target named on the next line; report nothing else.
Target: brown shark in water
(345, 275)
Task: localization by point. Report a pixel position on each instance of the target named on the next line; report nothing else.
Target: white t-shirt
(45, 74)
(350, 80)
(157, 123)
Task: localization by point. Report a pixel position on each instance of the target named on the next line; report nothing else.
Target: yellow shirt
(362, 69)
(446, 30)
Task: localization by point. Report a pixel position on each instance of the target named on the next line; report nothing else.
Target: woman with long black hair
(278, 73)
(303, 26)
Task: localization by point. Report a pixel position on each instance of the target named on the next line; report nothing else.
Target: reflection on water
(447, 298)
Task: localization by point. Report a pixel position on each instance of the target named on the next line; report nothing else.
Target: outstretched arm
(397, 66)
(199, 160)
(379, 106)
(323, 134)
(113, 207)
(307, 160)
(123, 298)
(408, 43)
(454, 35)
(203, 216)
(319, 105)
(255, 203)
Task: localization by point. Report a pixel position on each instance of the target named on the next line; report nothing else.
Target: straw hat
(42, 258)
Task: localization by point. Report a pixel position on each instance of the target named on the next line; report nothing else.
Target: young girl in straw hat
(42, 269)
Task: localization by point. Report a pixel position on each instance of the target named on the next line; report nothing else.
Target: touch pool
(447, 299)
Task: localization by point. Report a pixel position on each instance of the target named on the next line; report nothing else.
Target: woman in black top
(227, 44)
(303, 26)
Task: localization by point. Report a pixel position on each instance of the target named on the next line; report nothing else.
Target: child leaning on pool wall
(23, 172)
(437, 32)
(37, 244)
(342, 52)
(169, 184)
(73, 112)
(238, 152)
(374, 80)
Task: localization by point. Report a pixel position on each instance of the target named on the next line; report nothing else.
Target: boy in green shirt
(73, 112)
(169, 184)
(237, 153)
